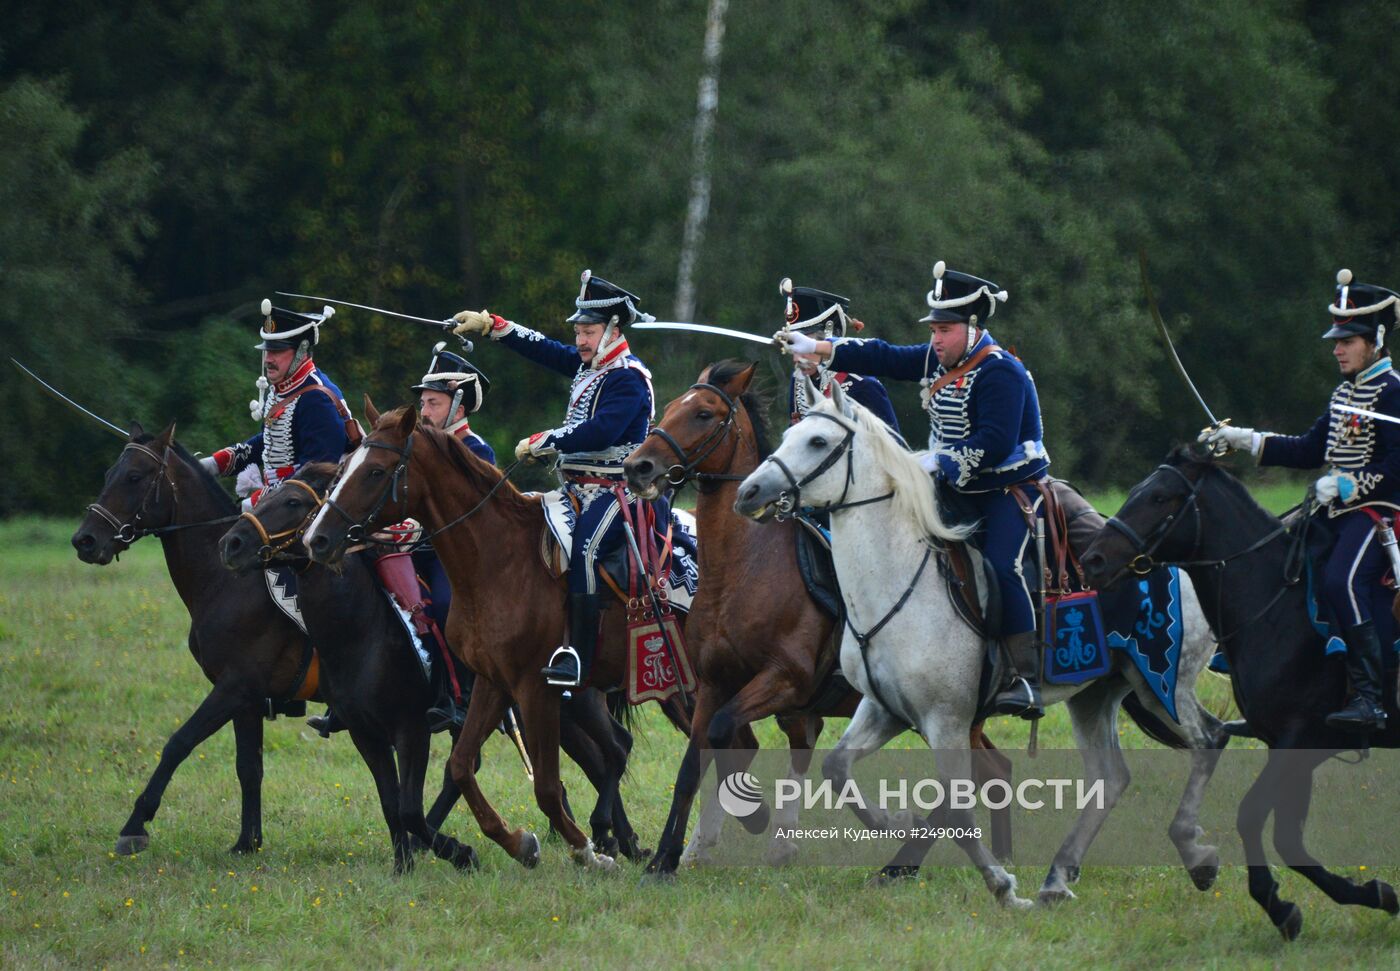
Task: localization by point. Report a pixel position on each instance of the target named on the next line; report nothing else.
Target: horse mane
(755, 400)
(1202, 463)
(216, 492)
(483, 475)
(318, 475)
(913, 489)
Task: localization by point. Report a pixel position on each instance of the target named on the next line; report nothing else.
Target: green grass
(96, 676)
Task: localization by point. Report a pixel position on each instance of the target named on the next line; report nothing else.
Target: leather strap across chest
(950, 376)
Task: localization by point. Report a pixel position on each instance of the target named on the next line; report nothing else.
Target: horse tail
(1152, 726)
(620, 709)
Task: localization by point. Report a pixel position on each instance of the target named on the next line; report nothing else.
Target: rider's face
(586, 338)
(949, 342)
(433, 405)
(278, 364)
(1353, 354)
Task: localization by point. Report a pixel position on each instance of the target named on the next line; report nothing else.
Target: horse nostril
(84, 541)
(232, 544)
(748, 493)
(1093, 562)
(319, 544)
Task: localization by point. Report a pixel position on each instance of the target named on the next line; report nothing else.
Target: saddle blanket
(420, 651)
(684, 575)
(1142, 618)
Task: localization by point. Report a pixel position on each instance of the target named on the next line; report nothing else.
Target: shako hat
(960, 298)
(1358, 310)
(601, 302)
(816, 313)
(286, 329)
(450, 373)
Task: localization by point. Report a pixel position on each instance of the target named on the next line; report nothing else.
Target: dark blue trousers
(1008, 545)
(1351, 578)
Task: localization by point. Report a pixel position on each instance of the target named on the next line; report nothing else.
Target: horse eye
(133, 477)
(817, 443)
(704, 415)
(1159, 499)
(374, 473)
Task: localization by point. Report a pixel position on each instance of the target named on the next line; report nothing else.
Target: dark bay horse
(366, 661)
(1191, 512)
(245, 646)
(368, 675)
(508, 609)
(760, 642)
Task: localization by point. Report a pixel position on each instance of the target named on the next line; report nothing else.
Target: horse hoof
(1292, 924)
(528, 855)
(243, 847)
(696, 854)
(1055, 895)
(657, 877)
(892, 874)
(610, 846)
(131, 845)
(1203, 875)
(1385, 897)
(466, 859)
(781, 852)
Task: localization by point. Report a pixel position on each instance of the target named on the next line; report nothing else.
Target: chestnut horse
(245, 646)
(761, 644)
(508, 609)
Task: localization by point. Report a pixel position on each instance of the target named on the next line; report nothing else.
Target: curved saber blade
(1167, 337)
(444, 324)
(704, 329)
(53, 392)
(1369, 414)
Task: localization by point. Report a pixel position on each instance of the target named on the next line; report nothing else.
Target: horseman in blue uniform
(611, 404)
(1362, 483)
(448, 394)
(825, 316)
(303, 415)
(985, 436)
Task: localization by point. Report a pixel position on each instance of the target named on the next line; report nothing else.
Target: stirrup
(1352, 719)
(1238, 728)
(558, 673)
(1019, 698)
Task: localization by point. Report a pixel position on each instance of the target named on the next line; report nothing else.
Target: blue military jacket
(1364, 448)
(868, 392)
(985, 426)
(306, 428)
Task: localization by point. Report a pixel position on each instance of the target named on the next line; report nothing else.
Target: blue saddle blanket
(1142, 616)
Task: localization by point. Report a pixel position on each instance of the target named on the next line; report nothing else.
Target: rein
(687, 468)
(789, 501)
(274, 543)
(863, 639)
(356, 532)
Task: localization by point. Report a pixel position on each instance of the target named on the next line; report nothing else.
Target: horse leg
(412, 746)
(771, 690)
(378, 756)
(870, 728)
(692, 769)
(1200, 731)
(1290, 815)
(801, 732)
(220, 705)
(627, 837)
(948, 736)
(1258, 802)
(1093, 715)
(448, 796)
(584, 736)
(539, 707)
(484, 712)
(248, 762)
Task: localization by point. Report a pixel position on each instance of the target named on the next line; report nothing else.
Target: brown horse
(762, 645)
(508, 608)
(246, 647)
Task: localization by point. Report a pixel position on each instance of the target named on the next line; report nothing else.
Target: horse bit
(130, 531)
(274, 543)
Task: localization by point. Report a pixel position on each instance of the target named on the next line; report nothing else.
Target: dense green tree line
(167, 165)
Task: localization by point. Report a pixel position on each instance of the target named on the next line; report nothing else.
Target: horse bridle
(356, 532)
(130, 531)
(687, 468)
(1144, 548)
(790, 500)
(274, 543)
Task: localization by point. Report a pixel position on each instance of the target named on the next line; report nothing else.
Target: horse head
(697, 434)
(373, 488)
(276, 525)
(137, 494)
(1159, 522)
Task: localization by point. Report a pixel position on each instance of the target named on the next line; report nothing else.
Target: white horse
(924, 662)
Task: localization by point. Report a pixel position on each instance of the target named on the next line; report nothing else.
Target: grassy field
(96, 676)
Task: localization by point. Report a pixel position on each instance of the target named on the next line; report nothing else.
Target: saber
(1369, 414)
(704, 329)
(656, 607)
(60, 396)
(1167, 338)
(518, 739)
(444, 324)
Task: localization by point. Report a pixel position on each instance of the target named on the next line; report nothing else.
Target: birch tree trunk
(706, 107)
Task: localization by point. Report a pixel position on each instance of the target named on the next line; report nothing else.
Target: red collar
(298, 376)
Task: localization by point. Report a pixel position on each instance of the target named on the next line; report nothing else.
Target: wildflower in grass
(129, 901)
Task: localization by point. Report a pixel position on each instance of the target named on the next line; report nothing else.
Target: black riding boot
(570, 664)
(1238, 728)
(1364, 711)
(1022, 695)
(445, 712)
(327, 724)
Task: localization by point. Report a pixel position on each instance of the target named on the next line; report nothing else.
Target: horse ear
(371, 412)
(408, 421)
(136, 430)
(814, 393)
(840, 400)
(704, 377)
(164, 439)
(740, 382)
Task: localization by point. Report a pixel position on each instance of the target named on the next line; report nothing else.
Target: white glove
(472, 322)
(928, 461)
(796, 342)
(1340, 486)
(1239, 439)
(534, 447)
(211, 465)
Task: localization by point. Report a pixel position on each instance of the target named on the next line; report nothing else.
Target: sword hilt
(1218, 449)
